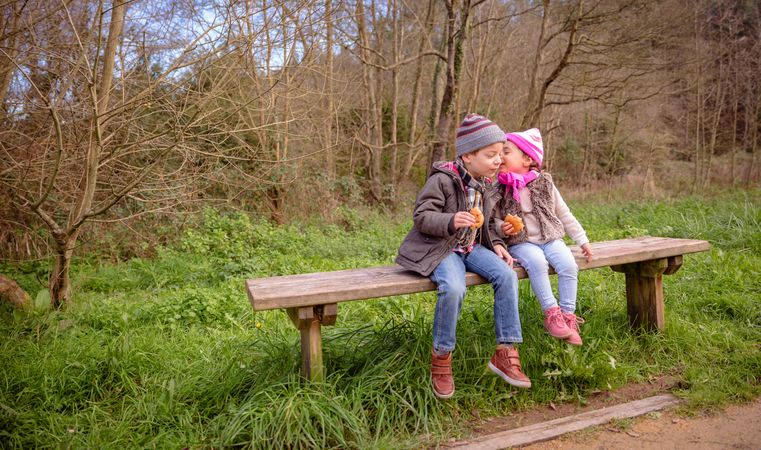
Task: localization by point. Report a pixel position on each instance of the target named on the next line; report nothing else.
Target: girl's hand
(463, 219)
(502, 253)
(586, 250)
(507, 228)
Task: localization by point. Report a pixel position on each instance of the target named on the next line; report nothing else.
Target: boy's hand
(463, 219)
(507, 228)
(586, 250)
(502, 253)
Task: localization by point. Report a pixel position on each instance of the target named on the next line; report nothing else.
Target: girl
(530, 195)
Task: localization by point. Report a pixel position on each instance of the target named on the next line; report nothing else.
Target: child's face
(484, 162)
(514, 160)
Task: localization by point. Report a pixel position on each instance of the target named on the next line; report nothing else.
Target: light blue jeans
(536, 259)
(449, 276)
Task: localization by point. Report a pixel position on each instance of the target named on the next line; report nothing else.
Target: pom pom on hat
(530, 143)
(476, 132)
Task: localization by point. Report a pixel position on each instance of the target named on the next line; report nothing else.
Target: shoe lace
(575, 320)
(556, 318)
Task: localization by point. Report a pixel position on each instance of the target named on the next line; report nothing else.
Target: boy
(446, 240)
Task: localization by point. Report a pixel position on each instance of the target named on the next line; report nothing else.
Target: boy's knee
(506, 276)
(453, 290)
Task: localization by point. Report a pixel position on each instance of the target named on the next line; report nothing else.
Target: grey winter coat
(430, 240)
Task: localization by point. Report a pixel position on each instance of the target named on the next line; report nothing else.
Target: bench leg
(311, 352)
(644, 301)
(309, 321)
(644, 291)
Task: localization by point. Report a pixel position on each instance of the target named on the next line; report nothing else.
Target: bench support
(309, 320)
(644, 290)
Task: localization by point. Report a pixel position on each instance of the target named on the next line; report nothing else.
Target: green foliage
(168, 353)
(226, 236)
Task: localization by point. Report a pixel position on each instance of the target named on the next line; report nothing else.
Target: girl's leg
(507, 322)
(561, 259)
(449, 277)
(531, 257)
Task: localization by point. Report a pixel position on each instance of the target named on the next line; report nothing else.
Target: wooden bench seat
(311, 300)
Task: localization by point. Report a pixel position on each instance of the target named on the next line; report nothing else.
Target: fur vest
(540, 191)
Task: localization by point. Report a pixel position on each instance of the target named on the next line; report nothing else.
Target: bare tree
(415, 150)
(93, 124)
(456, 32)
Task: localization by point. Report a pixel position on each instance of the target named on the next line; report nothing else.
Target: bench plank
(321, 288)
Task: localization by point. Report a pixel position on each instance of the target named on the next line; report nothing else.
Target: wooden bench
(311, 300)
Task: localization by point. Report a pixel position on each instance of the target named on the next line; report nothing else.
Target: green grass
(167, 353)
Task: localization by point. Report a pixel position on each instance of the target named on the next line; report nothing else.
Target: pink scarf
(517, 181)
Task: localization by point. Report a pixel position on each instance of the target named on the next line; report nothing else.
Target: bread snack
(516, 222)
(479, 218)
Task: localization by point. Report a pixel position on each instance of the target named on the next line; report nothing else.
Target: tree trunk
(394, 175)
(587, 143)
(370, 85)
(714, 134)
(330, 158)
(412, 136)
(698, 101)
(12, 293)
(481, 63)
(733, 148)
(649, 182)
(455, 42)
(6, 67)
(59, 283)
(538, 92)
(433, 112)
(613, 151)
(536, 65)
(749, 174)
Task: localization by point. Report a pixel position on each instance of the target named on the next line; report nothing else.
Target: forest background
(120, 120)
(155, 154)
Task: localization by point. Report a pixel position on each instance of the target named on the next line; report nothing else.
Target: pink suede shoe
(572, 321)
(555, 324)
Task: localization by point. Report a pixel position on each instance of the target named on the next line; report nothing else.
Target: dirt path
(737, 427)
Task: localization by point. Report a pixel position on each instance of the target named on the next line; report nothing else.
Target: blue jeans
(536, 259)
(449, 276)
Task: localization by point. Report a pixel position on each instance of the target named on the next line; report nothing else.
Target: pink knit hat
(530, 142)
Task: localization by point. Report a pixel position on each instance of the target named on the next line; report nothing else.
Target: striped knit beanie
(530, 143)
(476, 132)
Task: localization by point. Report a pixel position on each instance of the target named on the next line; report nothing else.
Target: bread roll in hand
(516, 222)
(479, 218)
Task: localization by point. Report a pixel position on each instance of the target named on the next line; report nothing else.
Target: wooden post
(309, 320)
(311, 352)
(644, 290)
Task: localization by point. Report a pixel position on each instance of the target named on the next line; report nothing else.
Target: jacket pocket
(417, 246)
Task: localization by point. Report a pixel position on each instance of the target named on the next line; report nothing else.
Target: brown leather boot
(507, 364)
(441, 375)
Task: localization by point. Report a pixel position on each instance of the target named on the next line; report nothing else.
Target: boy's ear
(467, 157)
